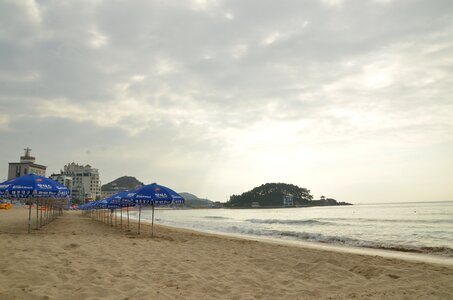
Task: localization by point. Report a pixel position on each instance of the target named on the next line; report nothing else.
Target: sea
(421, 227)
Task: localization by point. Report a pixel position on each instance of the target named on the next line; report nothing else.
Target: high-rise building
(26, 165)
(86, 185)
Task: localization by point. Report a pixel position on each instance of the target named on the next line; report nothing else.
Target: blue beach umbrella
(110, 203)
(153, 194)
(94, 206)
(119, 199)
(103, 203)
(33, 187)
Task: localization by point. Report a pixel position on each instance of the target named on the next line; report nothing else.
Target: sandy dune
(76, 257)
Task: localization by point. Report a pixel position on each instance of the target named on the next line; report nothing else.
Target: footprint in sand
(71, 246)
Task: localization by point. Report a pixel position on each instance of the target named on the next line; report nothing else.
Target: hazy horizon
(352, 99)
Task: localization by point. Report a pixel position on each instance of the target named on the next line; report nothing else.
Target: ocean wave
(216, 217)
(289, 222)
(342, 221)
(367, 220)
(345, 241)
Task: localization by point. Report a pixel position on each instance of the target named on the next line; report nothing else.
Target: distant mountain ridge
(121, 184)
(129, 182)
(194, 201)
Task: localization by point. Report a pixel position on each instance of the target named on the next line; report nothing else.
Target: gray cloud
(202, 85)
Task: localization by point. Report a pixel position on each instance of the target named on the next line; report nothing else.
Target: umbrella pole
(116, 218)
(40, 217)
(37, 214)
(29, 216)
(152, 223)
(43, 213)
(121, 214)
(127, 211)
(46, 214)
(139, 216)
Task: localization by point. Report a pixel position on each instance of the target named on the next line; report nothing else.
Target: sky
(352, 99)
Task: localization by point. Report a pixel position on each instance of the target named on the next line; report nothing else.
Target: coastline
(76, 257)
(404, 232)
(385, 253)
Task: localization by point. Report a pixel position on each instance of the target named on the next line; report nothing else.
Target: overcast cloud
(352, 99)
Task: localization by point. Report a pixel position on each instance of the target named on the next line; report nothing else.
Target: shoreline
(390, 252)
(76, 257)
(386, 253)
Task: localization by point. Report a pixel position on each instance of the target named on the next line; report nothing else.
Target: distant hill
(194, 201)
(273, 195)
(121, 184)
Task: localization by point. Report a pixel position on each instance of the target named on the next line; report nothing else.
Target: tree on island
(271, 194)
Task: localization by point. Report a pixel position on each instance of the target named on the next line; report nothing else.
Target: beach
(76, 257)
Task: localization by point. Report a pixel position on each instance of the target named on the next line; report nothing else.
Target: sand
(76, 257)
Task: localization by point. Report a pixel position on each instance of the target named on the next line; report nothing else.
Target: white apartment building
(63, 179)
(86, 185)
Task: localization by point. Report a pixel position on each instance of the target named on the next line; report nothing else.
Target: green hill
(121, 184)
(272, 195)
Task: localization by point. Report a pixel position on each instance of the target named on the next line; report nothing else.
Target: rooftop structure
(26, 165)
